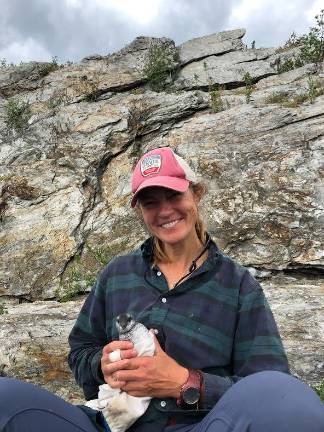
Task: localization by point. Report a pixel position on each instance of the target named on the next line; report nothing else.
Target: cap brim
(179, 185)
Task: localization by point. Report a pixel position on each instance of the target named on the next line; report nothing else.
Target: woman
(219, 364)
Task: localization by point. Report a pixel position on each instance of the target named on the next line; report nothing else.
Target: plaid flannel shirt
(218, 320)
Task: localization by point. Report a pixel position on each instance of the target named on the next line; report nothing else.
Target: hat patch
(151, 165)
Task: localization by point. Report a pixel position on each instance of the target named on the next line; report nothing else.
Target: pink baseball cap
(161, 167)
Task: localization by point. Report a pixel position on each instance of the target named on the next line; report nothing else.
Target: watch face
(191, 395)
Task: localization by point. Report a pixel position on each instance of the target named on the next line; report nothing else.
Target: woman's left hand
(158, 376)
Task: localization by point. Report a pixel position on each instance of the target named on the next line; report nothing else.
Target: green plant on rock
(82, 273)
(3, 309)
(296, 101)
(90, 87)
(311, 47)
(276, 98)
(17, 115)
(160, 65)
(289, 64)
(216, 102)
(76, 280)
(104, 254)
(292, 42)
(215, 92)
(312, 44)
(320, 390)
(247, 78)
(315, 89)
(49, 67)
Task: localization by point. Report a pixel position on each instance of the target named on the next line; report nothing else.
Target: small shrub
(292, 42)
(311, 47)
(49, 67)
(320, 390)
(296, 100)
(216, 102)
(315, 89)
(276, 97)
(17, 115)
(248, 86)
(160, 65)
(90, 87)
(312, 44)
(3, 309)
(286, 66)
(215, 91)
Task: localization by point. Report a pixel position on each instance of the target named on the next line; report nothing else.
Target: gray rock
(215, 44)
(228, 69)
(25, 77)
(34, 346)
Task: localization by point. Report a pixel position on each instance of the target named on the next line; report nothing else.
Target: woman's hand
(108, 367)
(157, 376)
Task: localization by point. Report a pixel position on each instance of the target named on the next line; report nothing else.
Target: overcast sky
(72, 29)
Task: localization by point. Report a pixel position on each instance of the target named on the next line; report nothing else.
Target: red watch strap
(195, 379)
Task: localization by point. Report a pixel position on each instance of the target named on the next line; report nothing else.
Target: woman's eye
(148, 203)
(175, 195)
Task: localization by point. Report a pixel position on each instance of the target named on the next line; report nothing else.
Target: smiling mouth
(171, 224)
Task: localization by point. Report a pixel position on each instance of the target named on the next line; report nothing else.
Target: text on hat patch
(151, 165)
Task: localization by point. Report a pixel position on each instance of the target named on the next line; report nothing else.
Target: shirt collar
(148, 246)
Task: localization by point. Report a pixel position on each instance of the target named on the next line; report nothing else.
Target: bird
(119, 408)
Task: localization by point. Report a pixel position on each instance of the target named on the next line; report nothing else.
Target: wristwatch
(190, 392)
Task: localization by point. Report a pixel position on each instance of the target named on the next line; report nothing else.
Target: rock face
(66, 161)
(215, 44)
(34, 345)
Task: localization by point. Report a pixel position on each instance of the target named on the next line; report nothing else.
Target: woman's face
(169, 215)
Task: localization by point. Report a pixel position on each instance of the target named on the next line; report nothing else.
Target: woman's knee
(271, 385)
(272, 399)
(9, 387)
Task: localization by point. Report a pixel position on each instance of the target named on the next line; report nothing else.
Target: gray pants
(263, 402)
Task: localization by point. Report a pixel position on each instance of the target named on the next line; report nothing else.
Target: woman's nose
(164, 206)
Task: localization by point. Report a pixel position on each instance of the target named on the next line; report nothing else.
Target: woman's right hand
(108, 367)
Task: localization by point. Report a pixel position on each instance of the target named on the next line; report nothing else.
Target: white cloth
(120, 409)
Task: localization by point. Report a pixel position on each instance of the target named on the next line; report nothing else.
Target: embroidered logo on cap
(151, 165)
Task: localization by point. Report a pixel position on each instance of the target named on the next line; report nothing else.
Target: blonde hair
(198, 189)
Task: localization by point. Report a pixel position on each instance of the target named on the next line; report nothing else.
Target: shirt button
(158, 273)
(164, 300)
(163, 404)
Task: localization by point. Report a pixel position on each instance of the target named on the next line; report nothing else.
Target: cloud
(73, 29)
(271, 23)
(184, 19)
(64, 28)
